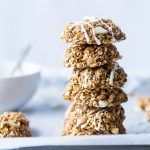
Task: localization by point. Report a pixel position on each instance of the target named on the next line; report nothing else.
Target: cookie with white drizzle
(92, 30)
(89, 56)
(93, 121)
(100, 77)
(100, 98)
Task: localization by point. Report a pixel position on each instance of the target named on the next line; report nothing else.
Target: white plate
(47, 122)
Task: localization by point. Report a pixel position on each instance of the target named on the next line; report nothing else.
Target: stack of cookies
(96, 80)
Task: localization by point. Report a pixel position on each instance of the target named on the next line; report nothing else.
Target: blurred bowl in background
(16, 90)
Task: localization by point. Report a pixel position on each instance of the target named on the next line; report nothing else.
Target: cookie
(107, 76)
(93, 121)
(92, 30)
(85, 56)
(144, 104)
(99, 98)
(14, 124)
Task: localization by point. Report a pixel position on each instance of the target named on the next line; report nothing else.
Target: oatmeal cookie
(94, 98)
(84, 56)
(93, 121)
(107, 76)
(144, 104)
(92, 30)
(14, 124)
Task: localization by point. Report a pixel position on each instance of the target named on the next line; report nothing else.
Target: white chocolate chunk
(103, 104)
(115, 130)
(100, 30)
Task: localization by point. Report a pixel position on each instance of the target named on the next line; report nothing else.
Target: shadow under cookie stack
(96, 80)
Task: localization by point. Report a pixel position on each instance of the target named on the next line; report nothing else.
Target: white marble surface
(47, 121)
(46, 115)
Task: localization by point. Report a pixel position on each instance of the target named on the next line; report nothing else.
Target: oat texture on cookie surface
(14, 124)
(95, 88)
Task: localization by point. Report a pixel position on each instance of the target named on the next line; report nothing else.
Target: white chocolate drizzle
(92, 112)
(110, 29)
(96, 121)
(111, 79)
(84, 125)
(94, 30)
(85, 78)
(79, 121)
(85, 33)
(98, 42)
(97, 127)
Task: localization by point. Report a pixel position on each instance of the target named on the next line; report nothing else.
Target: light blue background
(41, 22)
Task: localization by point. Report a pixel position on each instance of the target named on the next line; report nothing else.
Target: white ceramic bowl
(17, 90)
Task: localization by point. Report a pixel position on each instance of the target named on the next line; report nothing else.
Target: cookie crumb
(144, 104)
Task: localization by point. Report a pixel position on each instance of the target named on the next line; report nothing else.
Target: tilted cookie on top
(92, 30)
